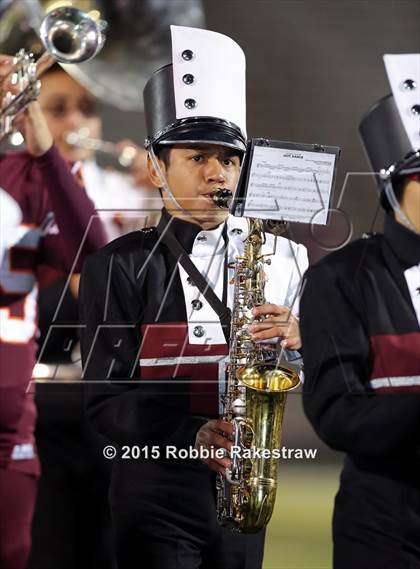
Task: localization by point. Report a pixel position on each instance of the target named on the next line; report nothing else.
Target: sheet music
(294, 185)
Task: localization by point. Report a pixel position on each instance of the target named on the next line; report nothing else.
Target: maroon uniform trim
(395, 361)
(196, 370)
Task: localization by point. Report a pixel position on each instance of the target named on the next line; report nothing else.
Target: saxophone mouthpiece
(222, 198)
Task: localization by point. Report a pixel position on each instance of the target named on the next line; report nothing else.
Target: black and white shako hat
(200, 97)
(390, 131)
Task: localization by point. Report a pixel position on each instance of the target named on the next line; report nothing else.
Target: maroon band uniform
(46, 218)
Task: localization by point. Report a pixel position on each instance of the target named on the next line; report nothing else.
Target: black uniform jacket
(361, 340)
(132, 308)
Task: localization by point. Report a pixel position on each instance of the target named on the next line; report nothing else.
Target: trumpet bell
(70, 37)
(138, 42)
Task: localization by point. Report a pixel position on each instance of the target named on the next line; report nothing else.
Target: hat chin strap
(389, 192)
(165, 185)
(164, 181)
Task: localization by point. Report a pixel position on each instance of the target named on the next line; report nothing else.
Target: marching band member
(152, 345)
(47, 215)
(360, 317)
(71, 110)
(68, 447)
(123, 202)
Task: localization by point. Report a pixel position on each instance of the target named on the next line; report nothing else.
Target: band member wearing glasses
(152, 345)
(45, 213)
(62, 525)
(360, 313)
(73, 116)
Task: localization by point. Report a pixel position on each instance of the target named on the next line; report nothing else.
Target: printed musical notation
(293, 185)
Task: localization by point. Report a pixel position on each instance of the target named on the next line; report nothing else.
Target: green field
(299, 533)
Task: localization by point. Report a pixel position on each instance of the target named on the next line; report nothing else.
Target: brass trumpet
(81, 139)
(69, 36)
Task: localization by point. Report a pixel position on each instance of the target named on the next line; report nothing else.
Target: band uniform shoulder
(133, 242)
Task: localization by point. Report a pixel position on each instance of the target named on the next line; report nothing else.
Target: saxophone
(254, 401)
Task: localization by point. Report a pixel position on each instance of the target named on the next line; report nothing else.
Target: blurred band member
(44, 216)
(124, 202)
(72, 528)
(360, 316)
(72, 111)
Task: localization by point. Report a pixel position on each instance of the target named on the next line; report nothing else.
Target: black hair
(163, 152)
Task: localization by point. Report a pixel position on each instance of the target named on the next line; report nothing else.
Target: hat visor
(409, 165)
(203, 137)
(219, 134)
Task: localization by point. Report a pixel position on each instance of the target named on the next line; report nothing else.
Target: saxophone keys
(239, 407)
(247, 436)
(247, 467)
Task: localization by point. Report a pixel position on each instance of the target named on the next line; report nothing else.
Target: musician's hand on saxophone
(279, 322)
(214, 435)
(30, 122)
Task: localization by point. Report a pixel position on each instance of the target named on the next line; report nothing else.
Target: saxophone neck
(255, 226)
(254, 242)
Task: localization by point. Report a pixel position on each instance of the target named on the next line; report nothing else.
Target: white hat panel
(209, 75)
(404, 77)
